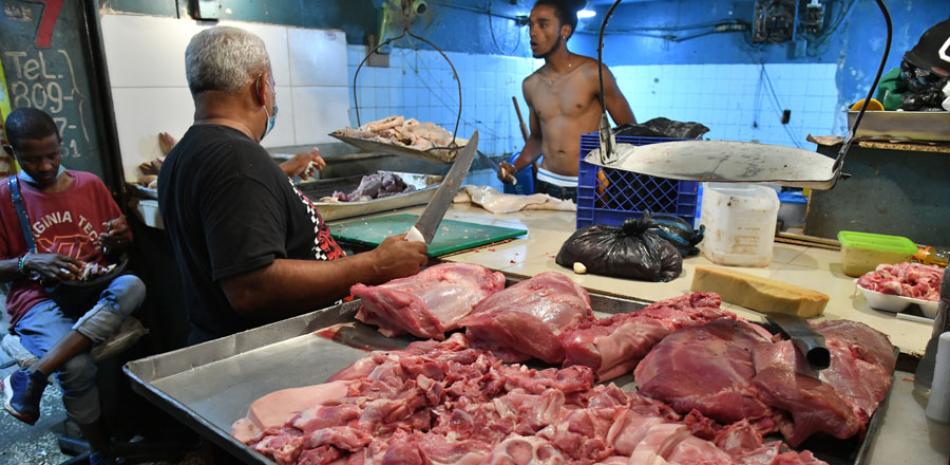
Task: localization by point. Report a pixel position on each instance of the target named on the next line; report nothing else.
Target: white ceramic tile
(317, 57)
(317, 112)
(275, 40)
(141, 114)
(146, 51)
(283, 133)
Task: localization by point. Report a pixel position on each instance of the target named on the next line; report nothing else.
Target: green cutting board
(452, 235)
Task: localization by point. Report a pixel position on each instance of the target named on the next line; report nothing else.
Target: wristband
(21, 264)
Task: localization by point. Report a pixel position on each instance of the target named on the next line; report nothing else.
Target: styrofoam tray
(896, 304)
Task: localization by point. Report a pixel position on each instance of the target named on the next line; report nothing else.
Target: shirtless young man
(563, 101)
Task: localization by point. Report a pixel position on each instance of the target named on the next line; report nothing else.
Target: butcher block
(452, 236)
(209, 386)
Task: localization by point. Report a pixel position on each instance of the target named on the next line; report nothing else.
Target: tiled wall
(147, 73)
(735, 101)
(146, 69)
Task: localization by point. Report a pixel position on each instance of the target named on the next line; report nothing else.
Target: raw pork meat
(905, 279)
(709, 369)
(428, 304)
(842, 402)
(445, 403)
(613, 346)
(526, 319)
(731, 371)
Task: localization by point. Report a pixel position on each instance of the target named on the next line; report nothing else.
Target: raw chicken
(409, 133)
(526, 319)
(428, 304)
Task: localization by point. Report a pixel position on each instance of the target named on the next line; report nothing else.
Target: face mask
(29, 179)
(271, 121)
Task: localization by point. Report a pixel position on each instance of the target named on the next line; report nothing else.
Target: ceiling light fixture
(585, 14)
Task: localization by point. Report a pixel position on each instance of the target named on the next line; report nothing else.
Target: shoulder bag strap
(20, 208)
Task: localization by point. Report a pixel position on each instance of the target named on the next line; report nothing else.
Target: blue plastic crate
(619, 194)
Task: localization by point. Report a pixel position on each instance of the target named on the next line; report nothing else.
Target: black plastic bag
(664, 127)
(632, 252)
(678, 232)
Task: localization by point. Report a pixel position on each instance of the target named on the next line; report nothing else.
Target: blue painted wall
(715, 79)
(855, 46)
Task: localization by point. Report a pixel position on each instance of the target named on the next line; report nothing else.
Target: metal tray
(425, 184)
(921, 126)
(210, 385)
(445, 156)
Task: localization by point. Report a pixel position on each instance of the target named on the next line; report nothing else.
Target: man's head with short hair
(224, 59)
(29, 123)
(551, 24)
(565, 10)
(36, 143)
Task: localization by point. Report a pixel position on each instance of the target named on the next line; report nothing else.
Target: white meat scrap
(906, 280)
(497, 202)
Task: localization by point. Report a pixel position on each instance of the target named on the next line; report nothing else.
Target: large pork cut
(731, 371)
(428, 304)
(709, 369)
(849, 391)
(613, 346)
(526, 319)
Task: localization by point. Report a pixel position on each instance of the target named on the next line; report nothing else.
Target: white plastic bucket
(740, 223)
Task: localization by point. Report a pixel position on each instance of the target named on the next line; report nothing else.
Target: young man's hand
(506, 172)
(117, 235)
(51, 266)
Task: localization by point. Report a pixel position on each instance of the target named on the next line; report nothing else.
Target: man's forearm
(9, 271)
(530, 153)
(287, 288)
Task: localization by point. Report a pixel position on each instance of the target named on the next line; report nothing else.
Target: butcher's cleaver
(428, 224)
(808, 342)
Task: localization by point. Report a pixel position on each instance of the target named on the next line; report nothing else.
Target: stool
(69, 439)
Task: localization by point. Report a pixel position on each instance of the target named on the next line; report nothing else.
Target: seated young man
(73, 220)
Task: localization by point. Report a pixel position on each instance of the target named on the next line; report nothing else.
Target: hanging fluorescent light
(585, 13)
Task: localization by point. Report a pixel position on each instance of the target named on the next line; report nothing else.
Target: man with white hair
(251, 248)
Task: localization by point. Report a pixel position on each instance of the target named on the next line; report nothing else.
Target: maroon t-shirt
(67, 223)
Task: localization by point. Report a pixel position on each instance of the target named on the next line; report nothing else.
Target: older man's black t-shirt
(228, 210)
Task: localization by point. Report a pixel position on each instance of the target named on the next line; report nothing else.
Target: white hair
(224, 58)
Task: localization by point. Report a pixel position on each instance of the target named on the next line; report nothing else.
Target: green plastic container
(862, 252)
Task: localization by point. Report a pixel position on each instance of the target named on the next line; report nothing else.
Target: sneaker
(100, 458)
(22, 391)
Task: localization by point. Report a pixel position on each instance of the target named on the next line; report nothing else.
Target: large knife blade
(428, 224)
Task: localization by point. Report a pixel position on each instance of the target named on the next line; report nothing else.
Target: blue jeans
(44, 325)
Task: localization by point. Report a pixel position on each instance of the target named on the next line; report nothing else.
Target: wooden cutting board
(451, 237)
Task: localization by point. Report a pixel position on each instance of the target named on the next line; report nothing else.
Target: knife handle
(414, 235)
(814, 350)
